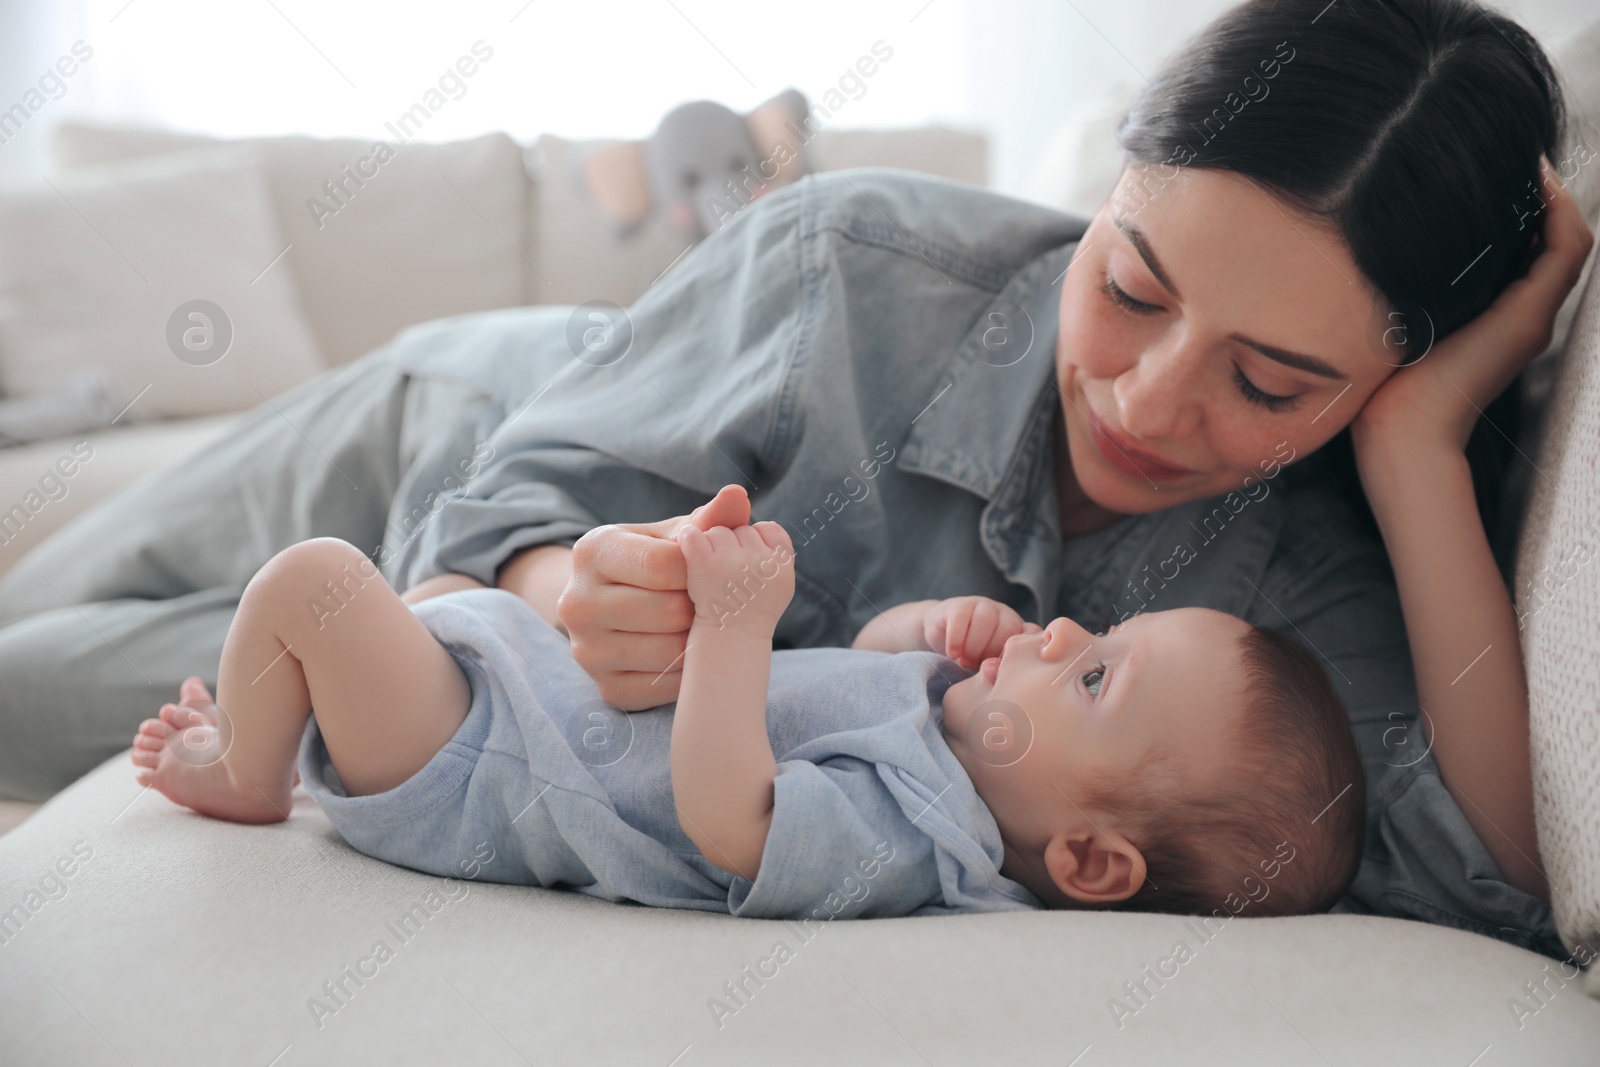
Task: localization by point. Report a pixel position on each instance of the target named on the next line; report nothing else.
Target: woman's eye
(1120, 297)
(1092, 680)
(1271, 401)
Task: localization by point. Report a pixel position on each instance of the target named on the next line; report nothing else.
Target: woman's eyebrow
(1142, 245)
(1309, 364)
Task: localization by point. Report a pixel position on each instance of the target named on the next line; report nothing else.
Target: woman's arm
(538, 575)
(1464, 643)
(1410, 440)
(439, 585)
(722, 763)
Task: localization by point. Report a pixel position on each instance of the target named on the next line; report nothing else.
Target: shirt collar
(972, 426)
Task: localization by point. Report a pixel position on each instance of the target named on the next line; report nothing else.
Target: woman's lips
(1121, 453)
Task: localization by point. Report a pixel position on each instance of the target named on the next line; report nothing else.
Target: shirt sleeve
(688, 406)
(1330, 584)
(839, 847)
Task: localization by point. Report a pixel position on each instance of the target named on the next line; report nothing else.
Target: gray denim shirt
(871, 354)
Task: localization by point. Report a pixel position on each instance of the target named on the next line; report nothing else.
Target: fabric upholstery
(103, 268)
(1558, 605)
(184, 940)
(436, 230)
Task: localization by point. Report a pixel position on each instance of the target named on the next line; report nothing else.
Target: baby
(956, 759)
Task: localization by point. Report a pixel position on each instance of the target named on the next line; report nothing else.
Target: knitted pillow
(1558, 608)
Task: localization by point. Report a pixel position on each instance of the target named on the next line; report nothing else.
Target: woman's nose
(1157, 397)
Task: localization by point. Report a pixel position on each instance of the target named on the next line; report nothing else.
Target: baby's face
(1064, 706)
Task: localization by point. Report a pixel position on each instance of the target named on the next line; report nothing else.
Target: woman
(887, 365)
(1276, 249)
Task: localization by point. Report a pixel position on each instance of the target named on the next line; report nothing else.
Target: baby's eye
(1092, 679)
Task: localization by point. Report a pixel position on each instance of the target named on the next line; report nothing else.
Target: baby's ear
(1094, 867)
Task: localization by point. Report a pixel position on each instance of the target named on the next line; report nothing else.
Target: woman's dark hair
(1414, 127)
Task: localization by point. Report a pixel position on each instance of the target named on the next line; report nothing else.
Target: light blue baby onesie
(873, 814)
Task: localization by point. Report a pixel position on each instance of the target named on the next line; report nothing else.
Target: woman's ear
(1092, 867)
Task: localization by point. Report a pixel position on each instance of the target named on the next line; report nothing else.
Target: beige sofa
(133, 931)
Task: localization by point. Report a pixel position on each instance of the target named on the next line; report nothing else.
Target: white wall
(601, 67)
(1034, 73)
(1041, 71)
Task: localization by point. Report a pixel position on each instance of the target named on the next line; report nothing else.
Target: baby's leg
(317, 626)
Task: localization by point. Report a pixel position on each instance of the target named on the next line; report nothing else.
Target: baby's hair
(1303, 796)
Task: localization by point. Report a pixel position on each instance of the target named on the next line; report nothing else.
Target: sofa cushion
(159, 272)
(436, 230)
(1558, 608)
(580, 258)
(943, 151)
(1578, 60)
(178, 939)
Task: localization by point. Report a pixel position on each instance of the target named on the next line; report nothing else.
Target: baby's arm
(722, 763)
(968, 629)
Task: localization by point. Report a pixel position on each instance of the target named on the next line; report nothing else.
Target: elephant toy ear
(778, 129)
(616, 181)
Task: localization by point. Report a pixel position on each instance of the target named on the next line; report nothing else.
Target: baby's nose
(1062, 633)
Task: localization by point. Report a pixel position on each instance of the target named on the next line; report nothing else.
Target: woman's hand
(1438, 399)
(970, 629)
(626, 607)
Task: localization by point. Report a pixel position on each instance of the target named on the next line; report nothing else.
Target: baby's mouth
(989, 669)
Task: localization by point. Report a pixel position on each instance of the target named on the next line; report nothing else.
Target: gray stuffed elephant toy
(702, 164)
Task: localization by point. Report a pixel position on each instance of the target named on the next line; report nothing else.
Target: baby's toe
(179, 717)
(148, 743)
(194, 693)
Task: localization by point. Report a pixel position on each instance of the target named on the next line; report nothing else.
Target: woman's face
(1209, 335)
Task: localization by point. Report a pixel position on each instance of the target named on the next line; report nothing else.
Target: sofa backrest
(576, 256)
(445, 229)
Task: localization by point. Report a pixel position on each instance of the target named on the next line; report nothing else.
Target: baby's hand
(970, 629)
(741, 578)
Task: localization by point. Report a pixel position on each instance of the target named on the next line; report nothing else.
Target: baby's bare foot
(180, 754)
(196, 708)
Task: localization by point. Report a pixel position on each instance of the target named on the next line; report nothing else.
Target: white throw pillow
(437, 230)
(165, 273)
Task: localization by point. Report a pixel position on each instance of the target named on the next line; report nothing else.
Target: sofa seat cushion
(179, 939)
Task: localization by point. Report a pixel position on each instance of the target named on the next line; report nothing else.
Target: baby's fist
(742, 577)
(970, 629)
